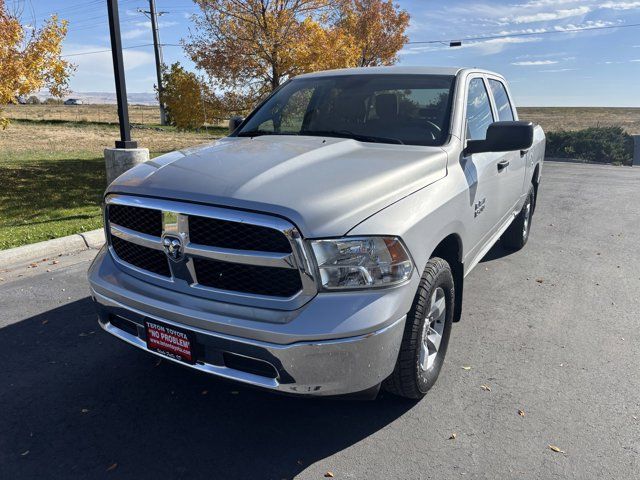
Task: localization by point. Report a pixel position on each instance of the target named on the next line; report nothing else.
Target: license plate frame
(171, 342)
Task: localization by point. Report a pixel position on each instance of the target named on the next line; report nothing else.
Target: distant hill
(141, 98)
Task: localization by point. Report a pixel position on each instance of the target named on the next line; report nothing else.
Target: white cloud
(620, 5)
(95, 71)
(558, 70)
(135, 33)
(548, 16)
(497, 45)
(483, 47)
(534, 62)
(144, 28)
(532, 11)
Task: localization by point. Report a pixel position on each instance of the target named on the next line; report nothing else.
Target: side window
(479, 115)
(505, 112)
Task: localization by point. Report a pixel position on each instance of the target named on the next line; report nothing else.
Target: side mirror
(503, 137)
(234, 123)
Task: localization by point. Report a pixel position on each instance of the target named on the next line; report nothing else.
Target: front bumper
(356, 350)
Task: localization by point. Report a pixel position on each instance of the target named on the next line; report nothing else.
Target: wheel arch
(450, 249)
(535, 180)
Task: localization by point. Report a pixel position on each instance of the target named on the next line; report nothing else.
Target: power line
(106, 50)
(124, 48)
(526, 34)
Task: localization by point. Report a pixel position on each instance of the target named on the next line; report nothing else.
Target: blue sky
(593, 68)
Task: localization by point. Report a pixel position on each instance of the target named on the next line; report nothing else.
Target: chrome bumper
(327, 367)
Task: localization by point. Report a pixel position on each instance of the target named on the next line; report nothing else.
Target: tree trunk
(275, 77)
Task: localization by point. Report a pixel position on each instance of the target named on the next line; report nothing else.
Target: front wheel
(517, 234)
(426, 333)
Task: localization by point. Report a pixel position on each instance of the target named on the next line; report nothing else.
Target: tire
(518, 232)
(418, 365)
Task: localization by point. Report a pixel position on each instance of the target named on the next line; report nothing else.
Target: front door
(481, 169)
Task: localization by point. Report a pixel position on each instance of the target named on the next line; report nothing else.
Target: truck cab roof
(397, 70)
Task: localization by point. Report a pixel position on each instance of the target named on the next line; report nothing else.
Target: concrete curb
(52, 248)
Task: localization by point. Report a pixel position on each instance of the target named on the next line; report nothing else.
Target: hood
(325, 186)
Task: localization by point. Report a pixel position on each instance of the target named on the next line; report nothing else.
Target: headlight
(361, 262)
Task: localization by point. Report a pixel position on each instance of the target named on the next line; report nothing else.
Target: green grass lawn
(47, 196)
(53, 175)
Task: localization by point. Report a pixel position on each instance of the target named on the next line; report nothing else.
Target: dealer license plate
(170, 341)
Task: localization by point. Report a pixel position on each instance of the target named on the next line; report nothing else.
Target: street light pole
(118, 70)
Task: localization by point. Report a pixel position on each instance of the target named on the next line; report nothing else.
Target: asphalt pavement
(547, 354)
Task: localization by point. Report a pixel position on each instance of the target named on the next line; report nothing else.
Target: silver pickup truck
(321, 248)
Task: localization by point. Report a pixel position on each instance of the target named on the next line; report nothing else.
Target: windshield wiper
(258, 133)
(355, 136)
(255, 133)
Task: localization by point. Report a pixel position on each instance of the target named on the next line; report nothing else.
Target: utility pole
(153, 15)
(118, 70)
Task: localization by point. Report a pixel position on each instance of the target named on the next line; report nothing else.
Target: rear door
(512, 174)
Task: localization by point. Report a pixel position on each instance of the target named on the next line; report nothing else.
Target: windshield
(400, 109)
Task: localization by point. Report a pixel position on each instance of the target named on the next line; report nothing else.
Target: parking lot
(551, 331)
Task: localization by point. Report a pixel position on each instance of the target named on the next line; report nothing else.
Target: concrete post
(119, 160)
(636, 151)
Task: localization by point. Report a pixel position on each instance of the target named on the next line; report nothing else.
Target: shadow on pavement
(75, 401)
(496, 252)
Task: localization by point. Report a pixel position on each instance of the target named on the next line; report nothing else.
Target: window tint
(479, 115)
(408, 109)
(288, 117)
(503, 105)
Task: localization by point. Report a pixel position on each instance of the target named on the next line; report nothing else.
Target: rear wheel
(517, 234)
(426, 333)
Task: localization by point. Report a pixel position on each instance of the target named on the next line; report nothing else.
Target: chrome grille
(279, 282)
(142, 220)
(230, 255)
(142, 257)
(221, 233)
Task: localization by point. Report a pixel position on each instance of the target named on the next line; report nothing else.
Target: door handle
(502, 165)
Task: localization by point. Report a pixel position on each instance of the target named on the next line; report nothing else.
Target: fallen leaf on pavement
(329, 474)
(44, 322)
(521, 412)
(112, 467)
(466, 367)
(26, 452)
(55, 262)
(453, 436)
(486, 388)
(540, 280)
(556, 449)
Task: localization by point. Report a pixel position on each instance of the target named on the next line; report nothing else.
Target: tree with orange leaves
(376, 29)
(30, 61)
(252, 46)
